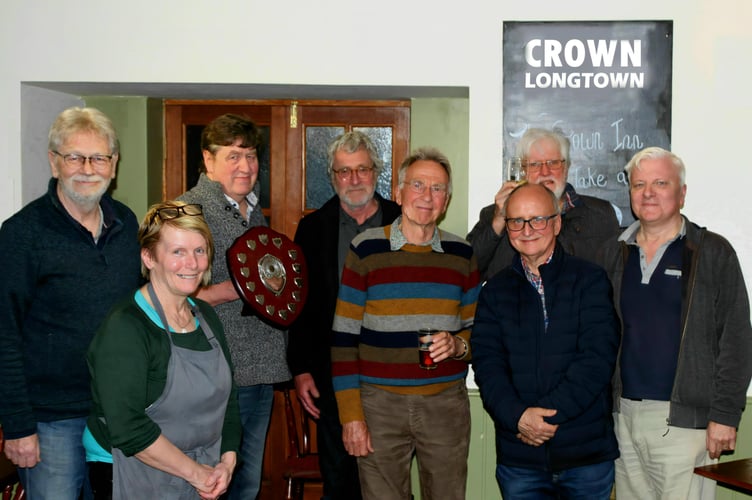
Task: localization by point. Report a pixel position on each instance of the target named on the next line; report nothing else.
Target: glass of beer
(425, 340)
(515, 172)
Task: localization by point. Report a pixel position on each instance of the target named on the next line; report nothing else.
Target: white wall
(391, 42)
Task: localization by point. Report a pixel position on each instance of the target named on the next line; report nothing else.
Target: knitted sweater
(258, 349)
(57, 286)
(384, 298)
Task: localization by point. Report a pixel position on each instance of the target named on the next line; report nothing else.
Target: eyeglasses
(344, 173)
(536, 223)
(168, 213)
(75, 160)
(418, 186)
(534, 166)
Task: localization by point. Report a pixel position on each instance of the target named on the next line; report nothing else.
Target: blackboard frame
(604, 84)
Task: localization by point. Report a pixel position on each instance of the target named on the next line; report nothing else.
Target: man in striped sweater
(398, 279)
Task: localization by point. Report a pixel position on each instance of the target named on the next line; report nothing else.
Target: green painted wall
(445, 123)
(138, 122)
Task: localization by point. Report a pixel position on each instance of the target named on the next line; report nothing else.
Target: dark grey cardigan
(258, 349)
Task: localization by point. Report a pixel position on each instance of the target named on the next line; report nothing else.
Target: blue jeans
(589, 482)
(61, 474)
(255, 412)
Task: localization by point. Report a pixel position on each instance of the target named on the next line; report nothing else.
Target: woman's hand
(219, 479)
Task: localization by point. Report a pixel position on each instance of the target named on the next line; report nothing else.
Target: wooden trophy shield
(269, 272)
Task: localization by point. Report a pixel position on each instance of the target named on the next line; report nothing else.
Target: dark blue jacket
(568, 367)
(57, 285)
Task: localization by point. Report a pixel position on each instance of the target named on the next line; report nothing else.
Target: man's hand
(306, 390)
(498, 222)
(219, 293)
(23, 452)
(356, 438)
(533, 429)
(444, 345)
(719, 438)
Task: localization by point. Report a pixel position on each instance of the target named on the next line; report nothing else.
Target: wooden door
(293, 165)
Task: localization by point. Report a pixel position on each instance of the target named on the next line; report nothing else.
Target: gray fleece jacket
(713, 369)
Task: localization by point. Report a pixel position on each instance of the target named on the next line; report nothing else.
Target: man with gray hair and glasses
(68, 256)
(324, 236)
(586, 222)
(397, 280)
(684, 365)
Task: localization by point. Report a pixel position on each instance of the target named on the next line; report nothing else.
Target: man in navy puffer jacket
(544, 347)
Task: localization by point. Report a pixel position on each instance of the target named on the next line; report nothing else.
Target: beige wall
(391, 43)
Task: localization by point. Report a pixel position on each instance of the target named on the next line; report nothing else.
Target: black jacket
(310, 335)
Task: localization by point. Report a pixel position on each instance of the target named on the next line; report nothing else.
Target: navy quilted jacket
(518, 363)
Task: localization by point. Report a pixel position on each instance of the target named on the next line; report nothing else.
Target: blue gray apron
(190, 413)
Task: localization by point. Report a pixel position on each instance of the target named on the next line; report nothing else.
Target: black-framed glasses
(534, 166)
(345, 173)
(75, 160)
(536, 223)
(418, 186)
(167, 213)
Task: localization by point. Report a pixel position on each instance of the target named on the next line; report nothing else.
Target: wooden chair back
(301, 464)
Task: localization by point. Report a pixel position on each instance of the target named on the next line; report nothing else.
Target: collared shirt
(349, 229)
(629, 236)
(251, 201)
(571, 199)
(102, 225)
(537, 283)
(397, 239)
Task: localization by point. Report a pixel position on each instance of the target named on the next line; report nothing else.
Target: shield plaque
(269, 272)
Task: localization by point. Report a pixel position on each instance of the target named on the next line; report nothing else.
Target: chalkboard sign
(605, 85)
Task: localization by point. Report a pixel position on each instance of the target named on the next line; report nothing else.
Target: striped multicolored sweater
(384, 298)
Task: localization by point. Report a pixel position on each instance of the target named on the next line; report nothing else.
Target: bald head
(527, 190)
(533, 221)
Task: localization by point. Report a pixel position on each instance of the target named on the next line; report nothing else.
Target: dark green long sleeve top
(128, 361)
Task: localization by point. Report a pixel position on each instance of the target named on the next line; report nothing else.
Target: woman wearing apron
(164, 402)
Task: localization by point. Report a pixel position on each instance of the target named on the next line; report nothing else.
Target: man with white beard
(586, 222)
(68, 256)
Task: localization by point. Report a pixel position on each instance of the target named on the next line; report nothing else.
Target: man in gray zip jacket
(683, 371)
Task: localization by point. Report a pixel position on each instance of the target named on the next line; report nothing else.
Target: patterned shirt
(537, 283)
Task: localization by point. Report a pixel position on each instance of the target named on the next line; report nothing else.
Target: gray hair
(426, 154)
(77, 120)
(533, 135)
(350, 142)
(656, 153)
